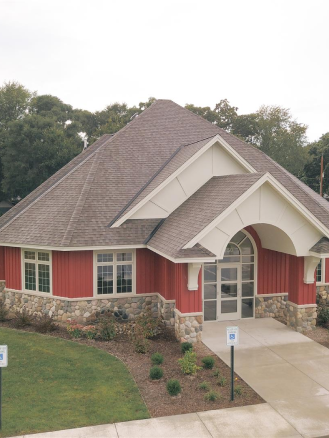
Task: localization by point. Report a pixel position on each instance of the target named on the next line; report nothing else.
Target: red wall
(157, 274)
(2, 262)
(299, 292)
(13, 268)
(73, 274)
(326, 278)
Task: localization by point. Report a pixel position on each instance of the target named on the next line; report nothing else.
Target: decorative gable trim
(216, 139)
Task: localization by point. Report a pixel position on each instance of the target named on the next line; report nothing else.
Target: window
(320, 272)
(114, 272)
(36, 276)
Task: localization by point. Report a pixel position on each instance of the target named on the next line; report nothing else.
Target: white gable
(216, 160)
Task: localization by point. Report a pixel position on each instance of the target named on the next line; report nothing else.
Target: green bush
(173, 387)
(216, 372)
(205, 386)
(74, 329)
(22, 319)
(323, 316)
(45, 324)
(186, 346)
(208, 362)
(211, 396)
(221, 381)
(157, 358)
(3, 311)
(147, 324)
(188, 363)
(140, 342)
(156, 373)
(106, 329)
(90, 331)
(238, 390)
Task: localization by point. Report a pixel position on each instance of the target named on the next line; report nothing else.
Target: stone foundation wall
(301, 319)
(271, 306)
(322, 293)
(188, 328)
(86, 310)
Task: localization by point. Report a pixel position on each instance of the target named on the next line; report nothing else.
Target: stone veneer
(188, 327)
(301, 318)
(274, 306)
(86, 310)
(323, 295)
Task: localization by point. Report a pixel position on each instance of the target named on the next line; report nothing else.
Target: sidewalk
(256, 421)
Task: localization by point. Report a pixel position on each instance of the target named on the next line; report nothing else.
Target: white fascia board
(278, 187)
(217, 138)
(187, 260)
(321, 255)
(72, 248)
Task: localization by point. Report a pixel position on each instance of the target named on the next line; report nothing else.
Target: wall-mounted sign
(232, 336)
(3, 356)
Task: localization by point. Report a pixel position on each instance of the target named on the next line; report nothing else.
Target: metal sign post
(232, 339)
(3, 364)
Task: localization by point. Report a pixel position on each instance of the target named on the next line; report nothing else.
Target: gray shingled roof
(198, 211)
(74, 207)
(322, 247)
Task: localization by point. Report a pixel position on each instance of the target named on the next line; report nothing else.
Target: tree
(312, 169)
(34, 148)
(223, 114)
(15, 100)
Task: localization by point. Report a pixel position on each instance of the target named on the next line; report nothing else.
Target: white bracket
(193, 276)
(310, 263)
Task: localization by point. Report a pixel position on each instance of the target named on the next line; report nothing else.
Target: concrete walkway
(287, 369)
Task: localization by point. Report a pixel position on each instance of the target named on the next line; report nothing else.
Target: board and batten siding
(13, 268)
(72, 273)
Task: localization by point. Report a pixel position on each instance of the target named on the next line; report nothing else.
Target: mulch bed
(154, 393)
(320, 335)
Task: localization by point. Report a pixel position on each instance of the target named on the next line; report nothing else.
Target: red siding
(72, 274)
(187, 301)
(2, 262)
(13, 268)
(326, 278)
(299, 292)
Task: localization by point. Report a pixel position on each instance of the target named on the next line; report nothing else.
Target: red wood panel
(187, 301)
(13, 268)
(72, 274)
(299, 292)
(2, 262)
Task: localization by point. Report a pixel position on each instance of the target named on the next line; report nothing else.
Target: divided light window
(319, 272)
(36, 271)
(114, 272)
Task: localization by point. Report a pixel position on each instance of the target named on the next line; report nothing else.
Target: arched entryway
(229, 285)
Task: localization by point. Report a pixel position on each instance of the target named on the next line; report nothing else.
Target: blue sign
(232, 336)
(1, 356)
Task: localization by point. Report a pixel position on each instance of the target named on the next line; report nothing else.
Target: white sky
(93, 53)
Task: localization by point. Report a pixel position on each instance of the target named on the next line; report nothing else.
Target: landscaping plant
(156, 373)
(157, 358)
(3, 311)
(106, 329)
(221, 381)
(208, 362)
(90, 331)
(188, 363)
(74, 329)
(22, 319)
(323, 316)
(205, 386)
(211, 396)
(45, 324)
(173, 387)
(216, 372)
(186, 346)
(137, 337)
(238, 390)
(147, 324)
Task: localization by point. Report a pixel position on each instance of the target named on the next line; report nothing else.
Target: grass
(52, 384)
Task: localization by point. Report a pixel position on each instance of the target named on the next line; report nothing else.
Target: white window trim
(323, 273)
(114, 264)
(50, 263)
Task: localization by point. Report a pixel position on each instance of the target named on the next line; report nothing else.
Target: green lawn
(53, 384)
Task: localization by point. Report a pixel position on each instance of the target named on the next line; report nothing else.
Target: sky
(97, 52)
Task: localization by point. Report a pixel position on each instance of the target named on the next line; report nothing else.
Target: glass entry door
(229, 304)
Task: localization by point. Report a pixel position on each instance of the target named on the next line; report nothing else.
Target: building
(171, 213)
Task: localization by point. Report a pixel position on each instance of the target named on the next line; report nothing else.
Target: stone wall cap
(281, 294)
(301, 306)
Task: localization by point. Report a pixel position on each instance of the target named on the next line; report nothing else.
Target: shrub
(208, 362)
(156, 373)
(211, 396)
(22, 319)
(173, 387)
(106, 329)
(157, 358)
(90, 331)
(3, 311)
(147, 325)
(205, 386)
(74, 329)
(186, 346)
(137, 337)
(238, 390)
(188, 363)
(221, 381)
(216, 372)
(323, 316)
(45, 324)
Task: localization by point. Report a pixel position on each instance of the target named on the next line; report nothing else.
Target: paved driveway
(289, 370)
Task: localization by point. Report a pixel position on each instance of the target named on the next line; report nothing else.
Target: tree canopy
(39, 134)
